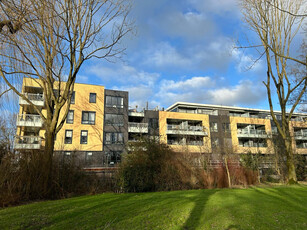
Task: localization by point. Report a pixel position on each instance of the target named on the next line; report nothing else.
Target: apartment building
(242, 130)
(100, 124)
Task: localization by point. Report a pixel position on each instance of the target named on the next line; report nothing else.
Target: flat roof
(223, 107)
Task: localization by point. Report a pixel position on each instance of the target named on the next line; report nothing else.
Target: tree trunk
(48, 160)
(291, 177)
(228, 173)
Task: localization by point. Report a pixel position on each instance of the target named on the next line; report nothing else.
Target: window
(213, 127)
(153, 123)
(116, 102)
(70, 117)
(92, 97)
(114, 119)
(226, 127)
(112, 158)
(83, 137)
(88, 117)
(114, 138)
(215, 142)
(72, 100)
(68, 137)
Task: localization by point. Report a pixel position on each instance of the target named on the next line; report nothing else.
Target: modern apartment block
(100, 124)
(238, 130)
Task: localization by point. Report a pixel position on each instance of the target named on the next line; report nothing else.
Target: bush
(152, 166)
(21, 180)
(301, 167)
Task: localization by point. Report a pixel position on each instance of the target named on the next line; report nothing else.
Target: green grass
(254, 208)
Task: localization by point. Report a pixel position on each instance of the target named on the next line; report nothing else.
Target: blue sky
(184, 51)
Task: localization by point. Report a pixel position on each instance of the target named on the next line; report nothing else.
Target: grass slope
(254, 208)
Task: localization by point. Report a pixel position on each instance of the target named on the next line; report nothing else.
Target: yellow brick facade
(163, 116)
(255, 121)
(297, 124)
(95, 132)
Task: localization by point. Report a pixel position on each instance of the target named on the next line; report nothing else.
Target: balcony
(29, 120)
(252, 133)
(300, 135)
(186, 130)
(253, 145)
(27, 142)
(136, 114)
(36, 98)
(185, 142)
(301, 145)
(137, 127)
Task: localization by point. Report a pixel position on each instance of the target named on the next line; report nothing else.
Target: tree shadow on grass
(196, 214)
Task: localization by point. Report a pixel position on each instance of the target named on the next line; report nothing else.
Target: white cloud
(244, 93)
(216, 54)
(189, 25)
(82, 79)
(187, 85)
(122, 73)
(246, 62)
(217, 7)
(165, 55)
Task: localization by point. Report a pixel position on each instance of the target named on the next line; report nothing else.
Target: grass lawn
(254, 208)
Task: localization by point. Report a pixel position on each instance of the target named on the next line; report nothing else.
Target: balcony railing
(27, 142)
(300, 135)
(29, 120)
(183, 142)
(254, 145)
(186, 130)
(36, 98)
(136, 114)
(134, 127)
(252, 133)
(302, 146)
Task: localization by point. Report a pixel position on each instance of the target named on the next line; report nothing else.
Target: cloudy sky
(184, 50)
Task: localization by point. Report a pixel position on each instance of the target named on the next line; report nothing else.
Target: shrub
(301, 167)
(21, 181)
(152, 166)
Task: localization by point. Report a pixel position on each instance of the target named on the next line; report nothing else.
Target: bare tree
(276, 29)
(54, 40)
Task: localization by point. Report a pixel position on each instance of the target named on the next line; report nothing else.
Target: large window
(92, 97)
(213, 127)
(153, 123)
(114, 119)
(88, 117)
(68, 137)
(73, 96)
(70, 117)
(114, 138)
(116, 102)
(83, 137)
(112, 158)
(226, 127)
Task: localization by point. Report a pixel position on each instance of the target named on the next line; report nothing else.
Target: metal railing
(302, 146)
(252, 132)
(181, 142)
(300, 134)
(137, 125)
(27, 142)
(185, 128)
(29, 120)
(34, 96)
(255, 145)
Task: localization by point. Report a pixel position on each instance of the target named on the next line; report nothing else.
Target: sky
(184, 50)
